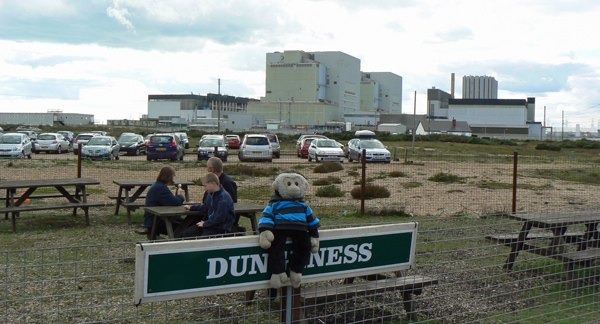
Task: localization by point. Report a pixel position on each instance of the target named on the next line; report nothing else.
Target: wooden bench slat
(116, 197)
(582, 256)
(314, 295)
(28, 207)
(48, 195)
(511, 238)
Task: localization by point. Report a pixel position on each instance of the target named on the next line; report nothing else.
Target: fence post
(363, 181)
(514, 197)
(216, 152)
(79, 146)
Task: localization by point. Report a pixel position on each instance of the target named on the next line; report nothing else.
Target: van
(364, 134)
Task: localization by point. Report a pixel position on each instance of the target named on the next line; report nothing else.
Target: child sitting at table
(159, 194)
(218, 205)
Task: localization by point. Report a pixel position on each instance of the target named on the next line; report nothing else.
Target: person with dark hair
(159, 194)
(219, 209)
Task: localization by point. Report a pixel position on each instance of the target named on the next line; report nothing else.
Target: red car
(234, 141)
(303, 148)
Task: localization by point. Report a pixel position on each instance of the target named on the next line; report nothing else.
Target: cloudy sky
(104, 57)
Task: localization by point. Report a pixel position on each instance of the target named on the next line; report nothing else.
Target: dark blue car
(164, 146)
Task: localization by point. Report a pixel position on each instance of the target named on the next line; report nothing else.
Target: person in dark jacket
(218, 206)
(215, 165)
(159, 194)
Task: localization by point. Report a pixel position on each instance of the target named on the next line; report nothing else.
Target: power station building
(50, 118)
(487, 116)
(315, 88)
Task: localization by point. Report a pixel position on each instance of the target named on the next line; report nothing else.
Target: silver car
(52, 142)
(82, 139)
(324, 150)
(256, 147)
(15, 145)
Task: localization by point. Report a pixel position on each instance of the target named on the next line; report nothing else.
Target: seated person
(215, 165)
(159, 194)
(218, 206)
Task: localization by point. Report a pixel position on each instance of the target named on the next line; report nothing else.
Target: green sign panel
(194, 268)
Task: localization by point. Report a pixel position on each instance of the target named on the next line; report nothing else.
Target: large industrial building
(50, 118)
(487, 116)
(212, 111)
(316, 88)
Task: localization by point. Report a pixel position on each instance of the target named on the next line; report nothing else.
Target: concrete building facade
(190, 109)
(46, 119)
(316, 88)
(479, 87)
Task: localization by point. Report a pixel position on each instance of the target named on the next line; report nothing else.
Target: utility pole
(219, 107)
(562, 132)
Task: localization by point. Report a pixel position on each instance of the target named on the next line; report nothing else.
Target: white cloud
(120, 14)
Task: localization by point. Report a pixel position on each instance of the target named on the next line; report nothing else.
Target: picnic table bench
(14, 203)
(587, 242)
(136, 200)
(242, 209)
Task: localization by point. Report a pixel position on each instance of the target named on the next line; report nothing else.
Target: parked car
(303, 147)
(16, 146)
(101, 148)
(51, 142)
(101, 133)
(234, 141)
(133, 144)
(256, 147)
(324, 150)
(184, 139)
(32, 134)
(275, 145)
(299, 144)
(164, 146)
(82, 139)
(375, 150)
(206, 148)
(69, 136)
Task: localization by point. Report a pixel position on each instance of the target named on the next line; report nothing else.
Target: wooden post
(79, 146)
(514, 197)
(363, 182)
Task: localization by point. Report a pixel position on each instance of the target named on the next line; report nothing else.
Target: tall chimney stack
(452, 85)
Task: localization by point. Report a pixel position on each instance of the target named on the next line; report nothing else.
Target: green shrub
(371, 192)
(329, 191)
(548, 147)
(446, 178)
(397, 174)
(328, 167)
(327, 181)
(409, 185)
(242, 169)
(388, 212)
(478, 140)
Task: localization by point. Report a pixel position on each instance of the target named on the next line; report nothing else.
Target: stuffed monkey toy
(288, 216)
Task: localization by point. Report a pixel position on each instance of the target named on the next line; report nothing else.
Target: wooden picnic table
(167, 213)
(131, 202)
(14, 204)
(587, 242)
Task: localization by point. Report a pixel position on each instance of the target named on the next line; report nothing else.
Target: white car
(52, 142)
(256, 147)
(325, 150)
(15, 145)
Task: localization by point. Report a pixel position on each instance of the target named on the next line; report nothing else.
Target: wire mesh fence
(461, 202)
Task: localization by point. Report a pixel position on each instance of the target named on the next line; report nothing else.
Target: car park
(206, 148)
(234, 141)
(82, 139)
(132, 144)
(255, 147)
(164, 146)
(300, 143)
(185, 140)
(101, 133)
(375, 151)
(101, 148)
(51, 142)
(16, 146)
(275, 145)
(69, 136)
(325, 150)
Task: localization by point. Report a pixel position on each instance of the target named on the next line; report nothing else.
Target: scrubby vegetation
(327, 181)
(329, 191)
(371, 192)
(446, 178)
(328, 167)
